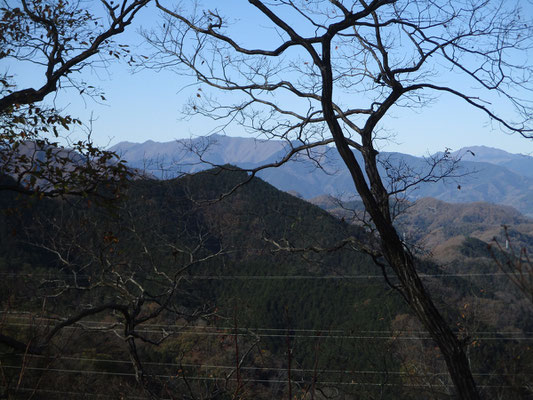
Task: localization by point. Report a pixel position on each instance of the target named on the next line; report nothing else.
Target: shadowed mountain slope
(331, 311)
(490, 175)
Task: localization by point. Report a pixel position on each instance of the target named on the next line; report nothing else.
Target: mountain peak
(488, 174)
(487, 154)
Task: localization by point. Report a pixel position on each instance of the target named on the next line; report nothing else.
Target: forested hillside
(254, 295)
(173, 271)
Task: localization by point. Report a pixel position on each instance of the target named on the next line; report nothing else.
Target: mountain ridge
(482, 174)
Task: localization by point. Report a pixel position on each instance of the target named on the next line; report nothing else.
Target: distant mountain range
(483, 174)
(518, 163)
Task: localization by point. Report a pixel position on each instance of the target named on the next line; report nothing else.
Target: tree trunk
(376, 203)
(421, 303)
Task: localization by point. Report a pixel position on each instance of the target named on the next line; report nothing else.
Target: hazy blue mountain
(519, 163)
(170, 159)
(483, 174)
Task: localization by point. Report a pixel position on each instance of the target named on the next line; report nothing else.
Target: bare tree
(335, 75)
(58, 39)
(111, 270)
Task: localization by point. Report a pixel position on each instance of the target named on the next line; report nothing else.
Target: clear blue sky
(146, 105)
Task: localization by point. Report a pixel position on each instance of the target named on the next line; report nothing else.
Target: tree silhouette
(58, 39)
(335, 75)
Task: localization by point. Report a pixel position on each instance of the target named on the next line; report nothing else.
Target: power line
(255, 329)
(232, 367)
(243, 380)
(70, 393)
(72, 371)
(104, 328)
(226, 333)
(272, 277)
(277, 369)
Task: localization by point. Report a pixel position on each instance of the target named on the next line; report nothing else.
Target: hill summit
(482, 174)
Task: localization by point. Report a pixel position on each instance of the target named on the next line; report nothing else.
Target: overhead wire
(104, 328)
(270, 277)
(72, 393)
(318, 331)
(276, 369)
(243, 380)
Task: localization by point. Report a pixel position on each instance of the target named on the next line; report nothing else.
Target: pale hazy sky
(146, 105)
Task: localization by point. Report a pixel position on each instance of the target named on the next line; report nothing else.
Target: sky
(144, 104)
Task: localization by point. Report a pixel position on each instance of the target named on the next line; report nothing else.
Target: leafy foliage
(58, 38)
